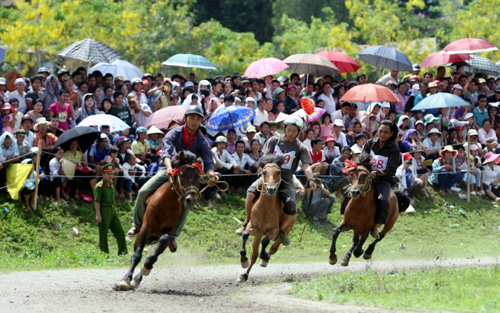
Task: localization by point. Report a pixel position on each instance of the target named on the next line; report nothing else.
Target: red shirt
(185, 138)
(318, 157)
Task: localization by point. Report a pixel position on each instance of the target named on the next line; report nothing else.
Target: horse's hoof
(242, 279)
(344, 262)
(367, 256)
(123, 285)
(135, 284)
(357, 255)
(245, 264)
(145, 271)
(333, 261)
(263, 263)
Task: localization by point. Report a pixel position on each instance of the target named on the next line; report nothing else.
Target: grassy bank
(45, 239)
(451, 290)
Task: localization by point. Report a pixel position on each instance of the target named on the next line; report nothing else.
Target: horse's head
(271, 174)
(186, 182)
(359, 175)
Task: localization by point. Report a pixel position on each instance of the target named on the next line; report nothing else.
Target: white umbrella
(118, 68)
(115, 124)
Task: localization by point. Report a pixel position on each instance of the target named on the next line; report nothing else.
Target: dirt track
(187, 289)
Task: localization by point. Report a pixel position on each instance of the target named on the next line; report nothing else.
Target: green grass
(452, 290)
(44, 240)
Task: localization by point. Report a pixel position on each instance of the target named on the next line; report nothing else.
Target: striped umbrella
(386, 57)
(265, 67)
(482, 65)
(90, 50)
(311, 64)
(190, 60)
(345, 63)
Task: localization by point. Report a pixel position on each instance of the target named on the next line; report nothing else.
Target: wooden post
(37, 171)
(468, 167)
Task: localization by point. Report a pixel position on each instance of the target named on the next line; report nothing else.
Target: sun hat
(468, 115)
(491, 141)
(41, 121)
(154, 130)
(131, 98)
(419, 122)
(20, 81)
(329, 138)
(434, 131)
(429, 118)
(220, 139)
(20, 131)
(448, 148)
(249, 99)
(457, 86)
(481, 81)
(338, 122)
(251, 129)
(433, 84)
(474, 147)
(6, 106)
(472, 132)
(489, 157)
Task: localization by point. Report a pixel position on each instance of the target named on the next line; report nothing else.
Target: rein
(265, 184)
(184, 190)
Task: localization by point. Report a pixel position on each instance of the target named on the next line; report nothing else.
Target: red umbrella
(164, 117)
(438, 58)
(345, 63)
(369, 93)
(469, 45)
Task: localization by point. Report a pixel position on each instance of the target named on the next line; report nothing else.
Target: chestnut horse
(164, 209)
(266, 216)
(360, 212)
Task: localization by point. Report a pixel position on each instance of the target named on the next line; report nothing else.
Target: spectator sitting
(360, 141)
(249, 136)
(97, 153)
(23, 146)
(326, 127)
(309, 137)
(244, 162)
(8, 147)
(318, 156)
(57, 177)
(331, 151)
(255, 154)
(476, 181)
(8, 121)
(124, 133)
(263, 135)
(432, 144)
(28, 188)
(491, 145)
(231, 141)
(444, 171)
(319, 203)
(155, 165)
(112, 158)
(486, 132)
(422, 171)
(407, 175)
(130, 169)
(491, 180)
(339, 179)
(140, 147)
(155, 139)
(88, 108)
(223, 161)
(339, 136)
(53, 127)
(261, 115)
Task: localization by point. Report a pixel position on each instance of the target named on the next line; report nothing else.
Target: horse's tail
(403, 200)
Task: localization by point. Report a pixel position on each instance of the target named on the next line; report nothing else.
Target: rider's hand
(169, 170)
(373, 174)
(212, 179)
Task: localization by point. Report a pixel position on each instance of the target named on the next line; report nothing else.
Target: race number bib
(289, 157)
(379, 162)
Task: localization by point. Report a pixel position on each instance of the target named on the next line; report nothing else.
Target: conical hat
(154, 130)
(69, 168)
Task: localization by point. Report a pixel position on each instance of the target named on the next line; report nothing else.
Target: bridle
(367, 186)
(184, 191)
(270, 165)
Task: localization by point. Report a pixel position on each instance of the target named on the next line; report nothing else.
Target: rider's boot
(249, 202)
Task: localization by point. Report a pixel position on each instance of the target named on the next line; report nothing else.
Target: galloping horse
(265, 217)
(165, 208)
(360, 212)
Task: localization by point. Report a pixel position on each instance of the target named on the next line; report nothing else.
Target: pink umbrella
(438, 58)
(345, 63)
(469, 45)
(164, 117)
(265, 67)
(314, 117)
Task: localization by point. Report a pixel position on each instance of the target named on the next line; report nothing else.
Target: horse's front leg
(162, 245)
(125, 283)
(347, 257)
(371, 247)
(359, 249)
(263, 254)
(333, 248)
(243, 251)
(255, 253)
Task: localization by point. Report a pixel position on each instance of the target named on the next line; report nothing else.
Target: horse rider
(386, 158)
(187, 137)
(293, 151)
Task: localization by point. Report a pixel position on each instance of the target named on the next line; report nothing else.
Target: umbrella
(440, 100)
(369, 93)
(386, 57)
(265, 67)
(438, 58)
(469, 45)
(115, 124)
(311, 64)
(84, 134)
(90, 50)
(118, 68)
(230, 117)
(189, 60)
(342, 61)
(314, 117)
(482, 65)
(164, 117)
(2, 54)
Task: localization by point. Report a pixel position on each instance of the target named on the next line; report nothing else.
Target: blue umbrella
(90, 50)
(190, 60)
(440, 100)
(230, 117)
(386, 57)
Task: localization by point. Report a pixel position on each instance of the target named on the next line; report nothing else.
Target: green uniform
(105, 194)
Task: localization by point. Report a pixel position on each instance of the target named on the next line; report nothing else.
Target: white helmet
(294, 120)
(221, 139)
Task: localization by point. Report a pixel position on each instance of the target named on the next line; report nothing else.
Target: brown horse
(165, 208)
(360, 212)
(265, 217)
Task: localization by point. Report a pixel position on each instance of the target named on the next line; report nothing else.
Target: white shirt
(337, 115)
(491, 175)
(127, 167)
(143, 99)
(224, 158)
(307, 143)
(141, 118)
(336, 151)
(387, 77)
(22, 99)
(428, 144)
(54, 167)
(340, 139)
(244, 161)
(329, 102)
(260, 117)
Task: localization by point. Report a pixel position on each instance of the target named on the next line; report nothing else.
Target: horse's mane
(365, 160)
(271, 159)
(189, 158)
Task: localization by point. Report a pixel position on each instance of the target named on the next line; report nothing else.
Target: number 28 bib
(379, 162)
(289, 157)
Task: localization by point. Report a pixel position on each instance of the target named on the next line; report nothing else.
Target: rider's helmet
(294, 120)
(194, 109)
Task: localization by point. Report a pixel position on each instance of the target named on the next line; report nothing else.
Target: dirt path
(187, 289)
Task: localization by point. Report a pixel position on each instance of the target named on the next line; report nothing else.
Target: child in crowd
(112, 158)
(130, 168)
